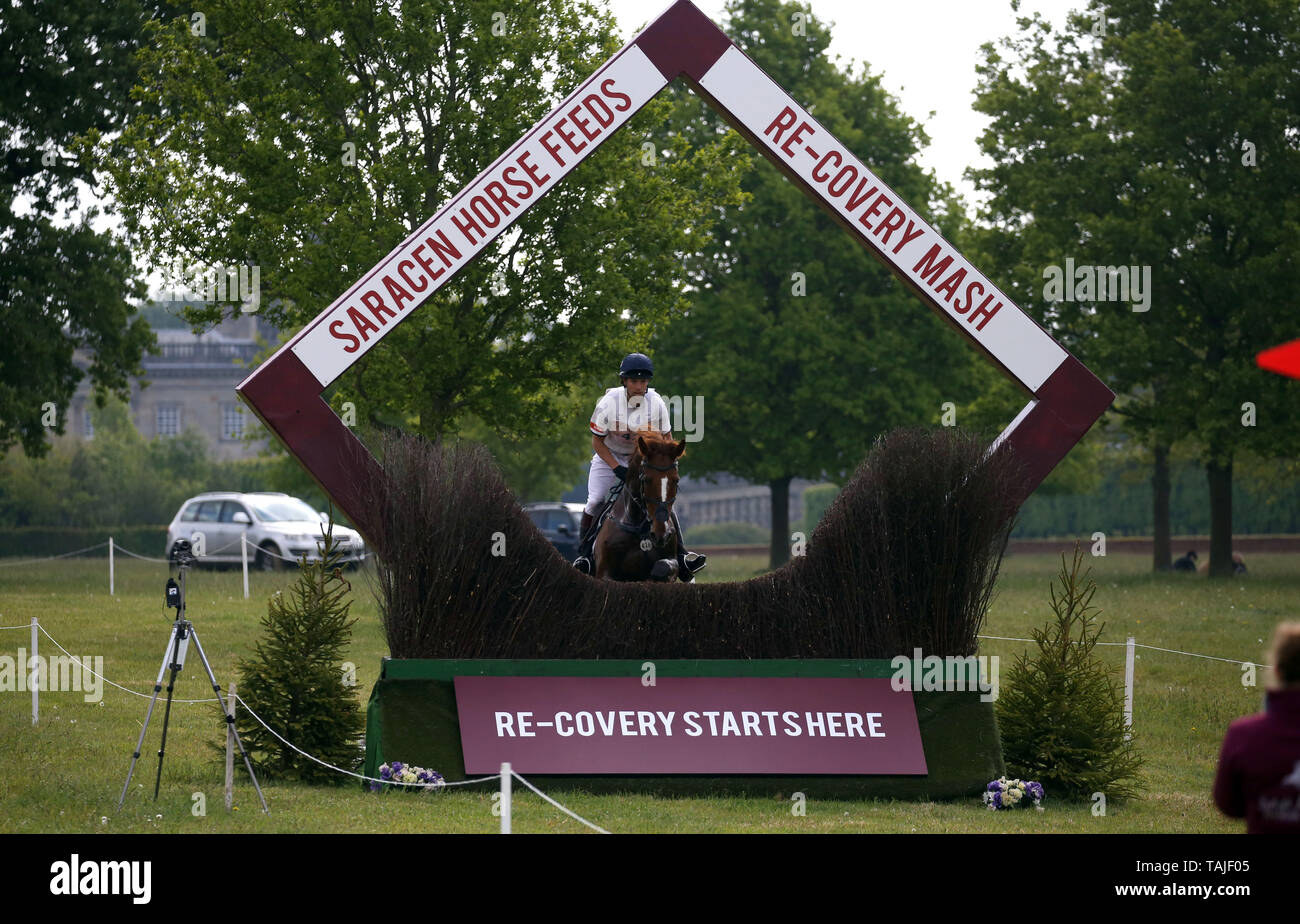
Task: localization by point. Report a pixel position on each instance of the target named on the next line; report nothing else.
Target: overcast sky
(925, 50)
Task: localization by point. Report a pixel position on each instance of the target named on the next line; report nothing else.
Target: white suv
(281, 529)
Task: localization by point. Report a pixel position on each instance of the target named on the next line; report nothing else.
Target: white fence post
(230, 748)
(1130, 649)
(505, 798)
(110, 566)
(34, 678)
(243, 554)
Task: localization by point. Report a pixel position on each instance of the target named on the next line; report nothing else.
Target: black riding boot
(687, 562)
(583, 561)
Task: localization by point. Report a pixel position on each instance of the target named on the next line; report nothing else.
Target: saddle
(616, 503)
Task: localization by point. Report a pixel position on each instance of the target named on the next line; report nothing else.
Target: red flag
(1284, 359)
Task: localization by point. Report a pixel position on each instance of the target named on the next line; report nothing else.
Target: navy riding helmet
(636, 364)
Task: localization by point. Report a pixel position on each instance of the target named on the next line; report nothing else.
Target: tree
(1161, 137)
(66, 69)
(540, 467)
(308, 140)
(804, 347)
(116, 479)
(1061, 714)
(296, 682)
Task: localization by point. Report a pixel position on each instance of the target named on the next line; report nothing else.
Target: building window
(232, 422)
(167, 420)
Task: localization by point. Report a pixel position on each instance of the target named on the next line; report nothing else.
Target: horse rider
(619, 414)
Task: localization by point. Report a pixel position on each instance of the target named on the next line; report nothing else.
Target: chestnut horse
(638, 540)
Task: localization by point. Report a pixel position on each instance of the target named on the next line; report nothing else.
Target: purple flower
(997, 800)
(397, 766)
(995, 786)
(374, 786)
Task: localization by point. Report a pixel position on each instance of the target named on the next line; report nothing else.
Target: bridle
(641, 522)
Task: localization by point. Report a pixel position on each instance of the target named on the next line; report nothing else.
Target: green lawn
(65, 774)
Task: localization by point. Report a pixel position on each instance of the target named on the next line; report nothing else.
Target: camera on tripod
(182, 553)
(183, 632)
(183, 557)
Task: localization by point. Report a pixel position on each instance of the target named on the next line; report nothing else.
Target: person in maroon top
(1259, 764)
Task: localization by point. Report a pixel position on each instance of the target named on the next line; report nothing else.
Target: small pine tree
(295, 680)
(1061, 711)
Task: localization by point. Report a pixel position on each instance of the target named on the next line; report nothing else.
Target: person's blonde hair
(1285, 655)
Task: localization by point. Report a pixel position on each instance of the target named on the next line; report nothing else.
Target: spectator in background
(1259, 764)
(1187, 562)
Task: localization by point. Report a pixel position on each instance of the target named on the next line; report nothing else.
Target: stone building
(192, 387)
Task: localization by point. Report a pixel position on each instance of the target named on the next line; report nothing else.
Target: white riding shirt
(618, 419)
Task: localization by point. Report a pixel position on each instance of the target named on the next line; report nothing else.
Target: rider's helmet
(636, 364)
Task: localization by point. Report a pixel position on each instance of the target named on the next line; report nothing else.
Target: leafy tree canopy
(308, 140)
(65, 69)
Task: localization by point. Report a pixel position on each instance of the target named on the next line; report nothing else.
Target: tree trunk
(1162, 557)
(780, 488)
(1220, 479)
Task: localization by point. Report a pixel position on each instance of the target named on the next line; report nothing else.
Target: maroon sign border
(685, 43)
(540, 747)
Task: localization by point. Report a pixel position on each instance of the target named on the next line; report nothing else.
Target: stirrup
(583, 564)
(694, 561)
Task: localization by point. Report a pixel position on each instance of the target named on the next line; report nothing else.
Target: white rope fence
(506, 770)
(1190, 654)
(1130, 657)
(33, 561)
(113, 545)
(504, 776)
(260, 554)
(88, 669)
(507, 773)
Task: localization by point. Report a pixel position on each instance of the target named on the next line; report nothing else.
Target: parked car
(560, 523)
(279, 527)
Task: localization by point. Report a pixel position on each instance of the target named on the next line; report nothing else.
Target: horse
(638, 539)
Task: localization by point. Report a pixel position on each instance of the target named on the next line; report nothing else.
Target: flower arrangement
(405, 776)
(1003, 793)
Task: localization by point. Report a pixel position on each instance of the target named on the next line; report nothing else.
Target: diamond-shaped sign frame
(285, 391)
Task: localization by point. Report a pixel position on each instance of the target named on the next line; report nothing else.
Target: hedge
(45, 541)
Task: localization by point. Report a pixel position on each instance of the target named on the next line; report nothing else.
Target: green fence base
(412, 718)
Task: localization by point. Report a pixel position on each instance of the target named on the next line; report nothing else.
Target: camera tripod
(173, 660)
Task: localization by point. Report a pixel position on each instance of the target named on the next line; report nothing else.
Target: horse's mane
(657, 443)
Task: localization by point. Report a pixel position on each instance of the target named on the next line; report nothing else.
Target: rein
(636, 500)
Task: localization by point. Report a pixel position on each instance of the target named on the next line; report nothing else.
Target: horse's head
(653, 473)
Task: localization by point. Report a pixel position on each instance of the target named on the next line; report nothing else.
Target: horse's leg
(601, 553)
(665, 569)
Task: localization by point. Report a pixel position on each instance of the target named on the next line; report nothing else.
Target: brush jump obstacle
(418, 697)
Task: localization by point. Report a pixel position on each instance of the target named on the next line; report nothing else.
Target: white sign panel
(405, 279)
(898, 233)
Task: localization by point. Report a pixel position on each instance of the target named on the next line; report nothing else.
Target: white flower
(1012, 796)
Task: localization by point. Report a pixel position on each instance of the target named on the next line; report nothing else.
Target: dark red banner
(715, 725)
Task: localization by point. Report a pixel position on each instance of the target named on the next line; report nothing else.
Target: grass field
(65, 774)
